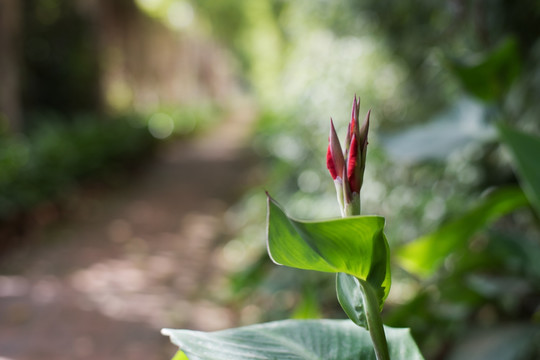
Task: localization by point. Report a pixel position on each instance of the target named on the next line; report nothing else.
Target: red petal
(330, 163)
(352, 165)
(334, 156)
(354, 123)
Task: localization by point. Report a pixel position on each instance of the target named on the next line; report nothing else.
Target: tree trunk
(10, 107)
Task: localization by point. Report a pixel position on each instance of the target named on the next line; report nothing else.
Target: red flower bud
(334, 156)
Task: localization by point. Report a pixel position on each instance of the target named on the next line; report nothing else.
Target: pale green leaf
(292, 340)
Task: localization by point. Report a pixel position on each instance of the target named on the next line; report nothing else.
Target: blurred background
(137, 138)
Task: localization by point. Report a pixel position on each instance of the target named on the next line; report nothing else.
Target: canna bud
(347, 169)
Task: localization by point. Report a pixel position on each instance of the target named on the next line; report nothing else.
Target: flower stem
(374, 321)
(371, 303)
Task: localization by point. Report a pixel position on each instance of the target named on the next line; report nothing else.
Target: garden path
(130, 261)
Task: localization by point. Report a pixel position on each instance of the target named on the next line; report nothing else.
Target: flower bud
(347, 169)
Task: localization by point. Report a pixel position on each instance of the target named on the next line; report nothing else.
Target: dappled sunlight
(123, 296)
(151, 285)
(12, 286)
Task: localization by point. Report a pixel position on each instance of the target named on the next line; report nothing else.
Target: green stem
(371, 303)
(374, 320)
(352, 208)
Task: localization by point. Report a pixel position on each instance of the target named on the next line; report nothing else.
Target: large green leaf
(292, 340)
(353, 245)
(424, 255)
(525, 150)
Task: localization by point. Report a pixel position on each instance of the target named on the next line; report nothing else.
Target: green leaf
(350, 298)
(353, 245)
(292, 340)
(424, 255)
(525, 150)
(490, 76)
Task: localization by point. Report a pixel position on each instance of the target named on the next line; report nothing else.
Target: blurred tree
(60, 58)
(147, 60)
(10, 112)
(95, 55)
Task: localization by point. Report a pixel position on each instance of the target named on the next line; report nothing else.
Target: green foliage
(60, 58)
(57, 155)
(177, 121)
(489, 282)
(424, 255)
(353, 245)
(489, 77)
(486, 245)
(488, 292)
(525, 149)
(291, 339)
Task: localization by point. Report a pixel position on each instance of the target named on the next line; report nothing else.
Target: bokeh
(138, 137)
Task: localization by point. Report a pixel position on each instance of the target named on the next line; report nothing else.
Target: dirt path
(130, 262)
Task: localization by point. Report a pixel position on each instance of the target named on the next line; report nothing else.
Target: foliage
(463, 205)
(57, 155)
(59, 58)
(490, 77)
(426, 254)
(168, 121)
(60, 152)
(525, 149)
(474, 272)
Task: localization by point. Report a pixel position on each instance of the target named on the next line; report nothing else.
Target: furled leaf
(292, 340)
(353, 245)
(525, 150)
(424, 255)
(350, 297)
